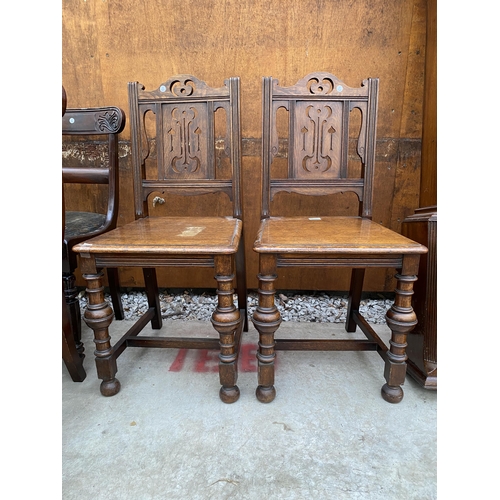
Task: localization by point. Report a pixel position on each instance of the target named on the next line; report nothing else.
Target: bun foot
(110, 387)
(229, 394)
(392, 394)
(265, 394)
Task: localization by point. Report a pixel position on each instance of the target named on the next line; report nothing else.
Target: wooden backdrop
(107, 43)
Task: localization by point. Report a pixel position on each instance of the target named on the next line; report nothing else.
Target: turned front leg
(401, 319)
(226, 321)
(266, 320)
(98, 316)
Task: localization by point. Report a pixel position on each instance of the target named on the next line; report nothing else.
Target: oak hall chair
(177, 133)
(319, 108)
(91, 125)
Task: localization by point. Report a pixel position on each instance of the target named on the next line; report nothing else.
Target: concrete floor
(166, 435)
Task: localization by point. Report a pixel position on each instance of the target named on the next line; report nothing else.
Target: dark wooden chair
(70, 354)
(91, 124)
(174, 131)
(319, 109)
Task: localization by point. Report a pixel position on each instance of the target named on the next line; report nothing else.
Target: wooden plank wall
(107, 43)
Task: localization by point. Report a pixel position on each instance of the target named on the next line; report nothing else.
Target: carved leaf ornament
(108, 121)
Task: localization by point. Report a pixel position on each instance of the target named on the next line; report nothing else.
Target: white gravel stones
(321, 307)
(327, 308)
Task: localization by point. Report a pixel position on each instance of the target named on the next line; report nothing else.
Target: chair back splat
(186, 141)
(320, 136)
(183, 141)
(319, 107)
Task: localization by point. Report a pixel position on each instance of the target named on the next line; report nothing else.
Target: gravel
(320, 307)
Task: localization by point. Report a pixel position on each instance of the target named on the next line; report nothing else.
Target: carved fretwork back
(319, 110)
(181, 138)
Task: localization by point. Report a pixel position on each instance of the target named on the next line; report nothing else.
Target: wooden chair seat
(167, 236)
(331, 235)
(81, 223)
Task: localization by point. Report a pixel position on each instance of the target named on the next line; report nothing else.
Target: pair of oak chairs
(174, 131)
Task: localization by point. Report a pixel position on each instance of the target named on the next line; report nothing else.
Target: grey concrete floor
(166, 435)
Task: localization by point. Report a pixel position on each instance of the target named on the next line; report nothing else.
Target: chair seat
(331, 235)
(80, 223)
(169, 236)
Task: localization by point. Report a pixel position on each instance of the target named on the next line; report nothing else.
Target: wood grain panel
(428, 187)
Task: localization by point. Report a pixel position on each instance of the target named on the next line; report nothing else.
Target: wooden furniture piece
(422, 343)
(91, 124)
(70, 354)
(319, 108)
(422, 225)
(175, 135)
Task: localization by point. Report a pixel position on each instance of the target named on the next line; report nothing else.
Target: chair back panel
(174, 139)
(183, 151)
(318, 153)
(319, 110)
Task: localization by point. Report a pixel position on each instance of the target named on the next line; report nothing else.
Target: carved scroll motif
(108, 122)
(184, 140)
(317, 139)
(182, 88)
(324, 86)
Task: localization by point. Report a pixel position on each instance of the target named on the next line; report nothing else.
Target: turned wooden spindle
(226, 321)
(98, 316)
(401, 319)
(266, 320)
